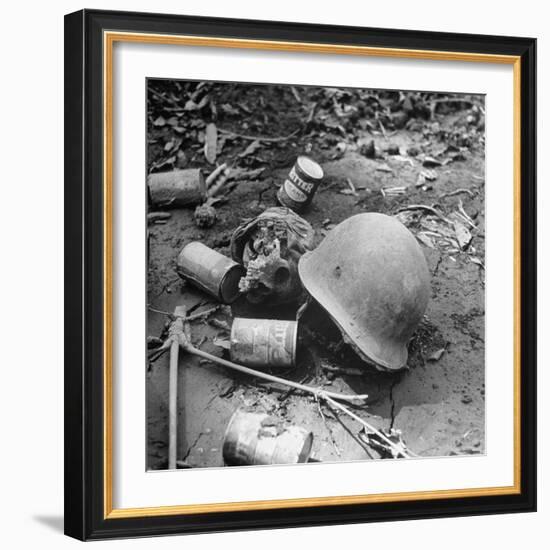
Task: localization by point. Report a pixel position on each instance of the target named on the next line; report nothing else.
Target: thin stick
(173, 406)
(201, 314)
(350, 433)
(351, 186)
(457, 192)
(382, 128)
(367, 425)
(329, 430)
(176, 329)
(464, 213)
(318, 392)
(427, 209)
(193, 317)
(258, 138)
(159, 352)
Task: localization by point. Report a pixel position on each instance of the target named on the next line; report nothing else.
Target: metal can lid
(310, 167)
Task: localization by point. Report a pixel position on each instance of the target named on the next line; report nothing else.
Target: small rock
(466, 399)
(392, 149)
(413, 151)
(368, 149)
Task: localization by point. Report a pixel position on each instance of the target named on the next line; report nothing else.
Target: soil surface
(428, 151)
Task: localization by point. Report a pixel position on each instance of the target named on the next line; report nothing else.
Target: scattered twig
(466, 217)
(367, 425)
(427, 209)
(289, 392)
(202, 314)
(159, 352)
(329, 429)
(222, 325)
(351, 434)
(343, 370)
(457, 192)
(296, 94)
(258, 138)
(401, 190)
(153, 217)
(384, 133)
(351, 186)
(192, 317)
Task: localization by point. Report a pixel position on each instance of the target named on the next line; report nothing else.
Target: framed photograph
(300, 274)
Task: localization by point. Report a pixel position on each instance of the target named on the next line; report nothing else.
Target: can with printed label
(298, 189)
(264, 342)
(210, 271)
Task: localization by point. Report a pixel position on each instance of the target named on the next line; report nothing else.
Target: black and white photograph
(315, 277)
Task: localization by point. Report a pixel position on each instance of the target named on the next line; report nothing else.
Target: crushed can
(256, 438)
(263, 342)
(299, 187)
(210, 271)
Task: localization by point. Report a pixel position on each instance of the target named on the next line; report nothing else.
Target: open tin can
(210, 271)
(254, 438)
(264, 342)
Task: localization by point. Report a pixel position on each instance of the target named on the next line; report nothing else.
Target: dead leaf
(463, 236)
(160, 121)
(430, 162)
(211, 143)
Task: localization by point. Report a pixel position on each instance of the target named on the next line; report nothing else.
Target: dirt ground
(438, 402)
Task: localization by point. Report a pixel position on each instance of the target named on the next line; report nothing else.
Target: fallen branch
(318, 393)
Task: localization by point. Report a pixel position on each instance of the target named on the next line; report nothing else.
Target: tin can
(253, 438)
(210, 271)
(263, 342)
(177, 188)
(299, 187)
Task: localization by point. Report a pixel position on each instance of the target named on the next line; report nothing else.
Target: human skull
(269, 247)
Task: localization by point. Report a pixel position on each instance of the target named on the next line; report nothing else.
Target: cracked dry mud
(439, 405)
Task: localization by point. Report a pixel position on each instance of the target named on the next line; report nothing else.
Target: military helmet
(371, 276)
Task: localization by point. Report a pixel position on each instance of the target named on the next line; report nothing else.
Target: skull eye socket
(282, 275)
